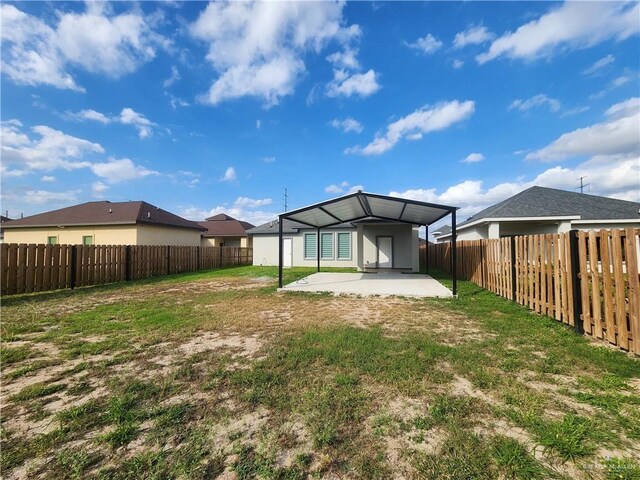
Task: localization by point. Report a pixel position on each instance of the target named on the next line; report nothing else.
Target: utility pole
(286, 198)
(582, 184)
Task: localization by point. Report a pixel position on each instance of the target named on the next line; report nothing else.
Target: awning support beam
(330, 214)
(318, 248)
(280, 252)
(454, 246)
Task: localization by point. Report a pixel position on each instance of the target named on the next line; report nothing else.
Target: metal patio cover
(361, 205)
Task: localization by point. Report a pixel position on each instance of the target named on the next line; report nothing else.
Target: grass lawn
(215, 374)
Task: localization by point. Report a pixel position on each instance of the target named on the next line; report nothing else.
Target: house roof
(550, 202)
(4, 219)
(361, 205)
(105, 213)
(223, 225)
(288, 226)
(443, 230)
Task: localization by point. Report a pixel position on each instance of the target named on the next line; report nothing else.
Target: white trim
(622, 220)
(511, 219)
(304, 246)
(333, 246)
(337, 236)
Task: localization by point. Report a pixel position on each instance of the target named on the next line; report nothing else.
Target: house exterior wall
(102, 235)
(153, 235)
(265, 249)
(405, 245)
(507, 229)
(243, 242)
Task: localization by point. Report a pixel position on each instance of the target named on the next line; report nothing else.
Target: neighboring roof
(550, 202)
(361, 205)
(4, 219)
(443, 230)
(222, 225)
(105, 213)
(288, 226)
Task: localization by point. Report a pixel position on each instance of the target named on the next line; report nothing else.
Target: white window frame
(304, 246)
(333, 246)
(350, 247)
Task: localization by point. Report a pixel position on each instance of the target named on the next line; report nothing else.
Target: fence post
(198, 258)
(168, 259)
(74, 263)
(127, 263)
(220, 247)
(575, 282)
(513, 268)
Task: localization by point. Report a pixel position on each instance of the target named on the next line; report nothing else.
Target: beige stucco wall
(265, 250)
(107, 235)
(153, 235)
(243, 242)
(102, 235)
(405, 245)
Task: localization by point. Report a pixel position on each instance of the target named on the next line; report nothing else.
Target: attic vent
(148, 214)
(271, 224)
(110, 210)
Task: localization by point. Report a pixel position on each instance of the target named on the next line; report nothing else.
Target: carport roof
(361, 205)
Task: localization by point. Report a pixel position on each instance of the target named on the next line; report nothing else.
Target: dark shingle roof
(105, 213)
(550, 202)
(443, 230)
(223, 225)
(289, 226)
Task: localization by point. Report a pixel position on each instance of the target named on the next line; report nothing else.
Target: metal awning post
(318, 248)
(280, 252)
(454, 239)
(426, 248)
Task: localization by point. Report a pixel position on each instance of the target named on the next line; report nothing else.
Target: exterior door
(385, 252)
(287, 252)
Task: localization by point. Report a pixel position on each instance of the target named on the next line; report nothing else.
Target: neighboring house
(2, 220)
(541, 210)
(105, 223)
(354, 244)
(224, 231)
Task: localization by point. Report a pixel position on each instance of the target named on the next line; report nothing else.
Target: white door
(287, 252)
(385, 252)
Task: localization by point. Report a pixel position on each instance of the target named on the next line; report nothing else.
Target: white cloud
(345, 60)
(616, 135)
(96, 40)
(175, 76)
(48, 178)
(257, 48)
(611, 177)
(472, 36)
(427, 44)
(119, 170)
(599, 65)
(457, 63)
(98, 189)
(252, 202)
(229, 175)
(41, 197)
(572, 25)
(258, 124)
(84, 115)
(269, 159)
(574, 111)
(128, 116)
(615, 83)
(243, 208)
(474, 158)
(535, 101)
(52, 150)
(424, 120)
(347, 84)
(343, 187)
(347, 125)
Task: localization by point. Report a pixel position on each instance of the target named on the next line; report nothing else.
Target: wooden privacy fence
(39, 268)
(588, 280)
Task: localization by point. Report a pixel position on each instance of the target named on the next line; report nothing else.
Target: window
(87, 239)
(344, 246)
(326, 246)
(52, 240)
(310, 246)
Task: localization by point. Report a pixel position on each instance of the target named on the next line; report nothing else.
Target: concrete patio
(367, 284)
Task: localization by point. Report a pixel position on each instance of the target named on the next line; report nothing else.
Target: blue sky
(201, 108)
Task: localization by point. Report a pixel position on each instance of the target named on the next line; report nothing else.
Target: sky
(201, 108)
